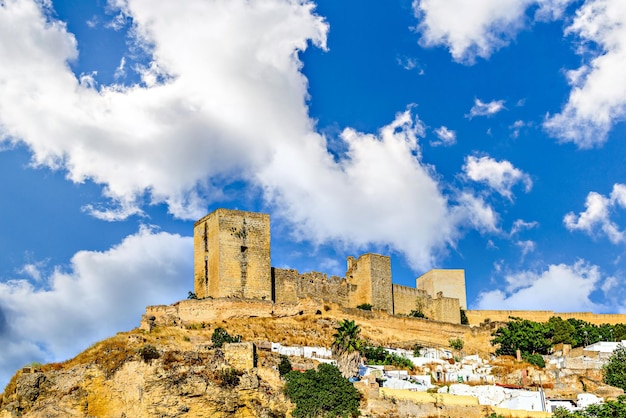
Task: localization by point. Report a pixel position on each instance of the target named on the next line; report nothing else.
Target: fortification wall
(476, 317)
(232, 255)
(290, 286)
(380, 271)
(214, 310)
(405, 299)
(451, 282)
(446, 310)
(360, 278)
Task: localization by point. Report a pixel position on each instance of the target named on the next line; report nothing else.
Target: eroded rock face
(177, 384)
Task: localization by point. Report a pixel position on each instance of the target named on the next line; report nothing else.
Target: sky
(486, 135)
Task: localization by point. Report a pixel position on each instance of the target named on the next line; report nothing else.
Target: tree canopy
(324, 393)
(614, 371)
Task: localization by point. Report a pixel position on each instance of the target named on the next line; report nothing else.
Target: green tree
(527, 336)
(561, 331)
(284, 366)
(322, 393)
(614, 371)
(347, 338)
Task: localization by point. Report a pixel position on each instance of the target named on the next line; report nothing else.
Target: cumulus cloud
(216, 99)
(481, 108)
(220, 103)
(477, 28)
(446, 137)
(381, 177)
(561, 288)
(100, 294)
(596, 219)
(498, 175)
(598, 96)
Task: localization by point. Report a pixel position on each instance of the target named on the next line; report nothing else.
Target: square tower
(370, 280)
(232, 255)
(450, 282)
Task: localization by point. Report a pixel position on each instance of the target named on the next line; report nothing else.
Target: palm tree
(347, 337)
(347, 345)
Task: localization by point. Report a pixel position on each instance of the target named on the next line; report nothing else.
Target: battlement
(232, 259)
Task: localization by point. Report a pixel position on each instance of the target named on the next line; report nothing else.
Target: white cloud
(171, 140)
(596, 219)
(499, 175)
(480, 215)
(598, 96)
(221, 102)
(561, 288)
(516, 127)
(380, 178)
(471, 28)
(520, 225)
(485, 109)
(101, 294)
(527, 246)
(446, 137)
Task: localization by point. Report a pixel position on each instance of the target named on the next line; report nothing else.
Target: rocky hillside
(169, 368)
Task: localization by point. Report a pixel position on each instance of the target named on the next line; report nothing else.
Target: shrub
(456, 344)
(324, 393)
(416, 350)
(191, 295)
(365, 306)
(148, 353)
(284, 366)
(417, 314)
(535, 359)
(228, 378)
(221, 337)
(379, 356)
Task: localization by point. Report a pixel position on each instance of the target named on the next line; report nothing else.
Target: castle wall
(405, 299)
(451, 282)
(446, 310)
(370, 277)
(232, 255)
(476, 317)
(290, 286)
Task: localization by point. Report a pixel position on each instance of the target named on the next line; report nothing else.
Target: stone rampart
(405, 299)
(476, 317)
(290, 286)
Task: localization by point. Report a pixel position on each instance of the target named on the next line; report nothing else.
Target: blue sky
(484, 135)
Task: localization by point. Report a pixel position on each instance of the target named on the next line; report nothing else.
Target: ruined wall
(240, 355)
(370, 280)
(232, 255)
(290, 286)
(477, 317)
(451, 282)
(405, 299)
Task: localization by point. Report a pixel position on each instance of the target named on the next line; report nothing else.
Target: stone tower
(232, 255)
(450, 282)
(370, 280)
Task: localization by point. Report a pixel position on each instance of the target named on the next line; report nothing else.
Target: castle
(232, 259)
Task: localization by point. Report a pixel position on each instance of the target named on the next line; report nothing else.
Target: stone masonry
(232, 259)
